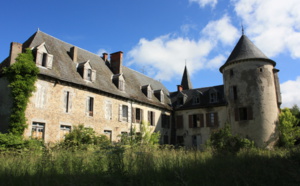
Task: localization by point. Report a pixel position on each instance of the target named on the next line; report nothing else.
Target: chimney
(179, 88)
(73, 52)
(104, 56)
(15, 49)
(116, 60)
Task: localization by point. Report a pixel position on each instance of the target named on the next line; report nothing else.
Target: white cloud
(274, 25)
(101, 51)
(221, 30)
(290, 93)
(203, 3)
(166, 55)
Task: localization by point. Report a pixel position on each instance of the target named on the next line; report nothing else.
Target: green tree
(21, 76)
(288, 129)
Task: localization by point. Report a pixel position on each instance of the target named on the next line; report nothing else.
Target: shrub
(222, 141)
(288, 129)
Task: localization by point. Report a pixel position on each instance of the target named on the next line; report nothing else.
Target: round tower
(252, 91)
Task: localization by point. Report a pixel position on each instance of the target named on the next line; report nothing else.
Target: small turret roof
(186, 81)
(245, 49)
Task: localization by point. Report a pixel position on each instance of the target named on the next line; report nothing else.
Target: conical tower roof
(186, 82)
(245, 50)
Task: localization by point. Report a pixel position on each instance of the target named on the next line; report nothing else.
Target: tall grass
(147, 166)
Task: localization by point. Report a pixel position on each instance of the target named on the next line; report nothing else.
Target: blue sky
(159, 36)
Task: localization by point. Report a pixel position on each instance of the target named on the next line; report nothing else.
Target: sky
(160, 37)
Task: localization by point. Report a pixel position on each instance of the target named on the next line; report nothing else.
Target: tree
(21, 76)
(288, 129)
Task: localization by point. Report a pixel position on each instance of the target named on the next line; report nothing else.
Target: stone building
(78, 87)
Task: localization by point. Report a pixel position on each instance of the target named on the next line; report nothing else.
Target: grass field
(143, 166)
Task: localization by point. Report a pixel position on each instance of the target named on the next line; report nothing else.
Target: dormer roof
(245, 50)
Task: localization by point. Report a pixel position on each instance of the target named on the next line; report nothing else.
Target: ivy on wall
(21, 76)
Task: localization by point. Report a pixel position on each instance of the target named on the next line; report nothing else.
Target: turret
(252, 92)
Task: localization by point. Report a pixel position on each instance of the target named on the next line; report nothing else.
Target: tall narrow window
(125, 112)
(212, 119)
(213, 97)
(108, 110)
(44, 60)
(38, 130)
(151, 118)
(67, 99)
(89, 74)
(90, 106)
(234, 92)
(179, 122)
(64, 130)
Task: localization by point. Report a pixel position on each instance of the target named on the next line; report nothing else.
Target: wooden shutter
(87, 104)
(179, 122)
(39, 58)
(201, 120)
(216, 119)
(133, 115)
(120, 112)
(93, 75)
(49, 61)
(153, 119)
(65, 101)
(142, 115)
(190, 121)
(207, 119)
(129, 114)
(249, 113)
(236, 114)
(149, 116)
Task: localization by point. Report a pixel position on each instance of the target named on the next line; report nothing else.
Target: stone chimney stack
(105, 57)
(179, 88)
(73, 53)
(116, 60)
(15, 49)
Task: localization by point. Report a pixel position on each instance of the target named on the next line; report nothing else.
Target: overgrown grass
(147, 166)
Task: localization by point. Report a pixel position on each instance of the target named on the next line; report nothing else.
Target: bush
(81, 137)
(223, 142)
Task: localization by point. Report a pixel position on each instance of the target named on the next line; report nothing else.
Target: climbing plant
(21, 76)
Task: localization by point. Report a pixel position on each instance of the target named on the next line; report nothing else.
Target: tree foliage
(288, 129)
(222, 141)
(22, 76)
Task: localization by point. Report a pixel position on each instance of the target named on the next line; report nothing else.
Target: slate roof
(186, 81)
(244, 50)
(203, 94)
(65, 69)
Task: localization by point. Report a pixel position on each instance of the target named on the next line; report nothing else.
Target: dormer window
(181, 98)
(119, 81)
(213, 96)
(159, 94)
(147, 90)
(86, 71)
(196, 99)
(43, 58)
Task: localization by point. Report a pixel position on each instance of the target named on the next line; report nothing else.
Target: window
(108, 110)
(196, 121)
(137, 115)
(213, 97)
(166, 139)
(212, 119)
(243, 113)
(44, 60)
(119, 81)
(180, 140)
(165, 121)
(64, 130)
(196, 99)
(179, 122)
(108, 134)
(231, 73)
(196, 140)
(125, 113)
(67, 100)
(180, 101)
(234, 90)
(38, 130)
(40, 96)
(90, 106)
(151, 118)
(89, 74)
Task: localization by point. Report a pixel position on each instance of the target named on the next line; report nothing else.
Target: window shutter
(236, 114)
(207, 120)
(153, 118)
(216, 124)
(93, 75)
(39, 58)
(87, 104)
(190, 121)
(179, 122)
(133, 115)
(49, 61)
(149, 116)
(120, 112)
(201, 120)
(129, 114)
(142, 115)
(250, 113)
